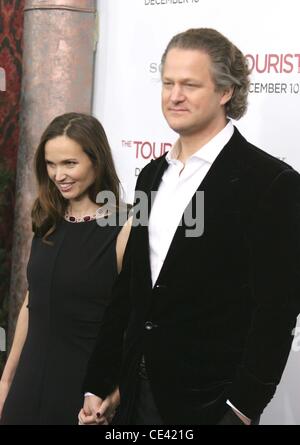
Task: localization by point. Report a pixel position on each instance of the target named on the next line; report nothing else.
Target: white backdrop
(132, 37)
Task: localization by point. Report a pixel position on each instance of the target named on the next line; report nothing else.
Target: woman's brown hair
(50, 206)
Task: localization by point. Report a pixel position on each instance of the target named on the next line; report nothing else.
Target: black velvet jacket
(224, 306)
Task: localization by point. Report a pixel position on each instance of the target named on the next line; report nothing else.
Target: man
(208, 319)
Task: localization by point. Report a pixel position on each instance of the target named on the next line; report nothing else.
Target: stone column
(58, 67)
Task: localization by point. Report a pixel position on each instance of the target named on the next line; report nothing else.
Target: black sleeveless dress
(70, 284)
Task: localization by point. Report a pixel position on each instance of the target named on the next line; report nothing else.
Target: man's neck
(190, 144)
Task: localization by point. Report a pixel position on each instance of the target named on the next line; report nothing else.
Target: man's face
(190, 102)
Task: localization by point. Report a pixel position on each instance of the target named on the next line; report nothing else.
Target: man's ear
(226, 95)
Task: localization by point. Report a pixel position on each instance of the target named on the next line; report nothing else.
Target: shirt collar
(209, 151)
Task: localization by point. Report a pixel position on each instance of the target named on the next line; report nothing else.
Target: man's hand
(97, 411)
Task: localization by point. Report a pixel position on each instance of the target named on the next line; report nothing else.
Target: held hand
(4, 388)
(88, 414)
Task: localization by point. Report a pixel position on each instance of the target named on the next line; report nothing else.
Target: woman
(73, 263)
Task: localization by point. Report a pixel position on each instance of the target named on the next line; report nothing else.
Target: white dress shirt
(178, 185)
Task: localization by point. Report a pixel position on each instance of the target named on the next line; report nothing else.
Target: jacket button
(148, 325)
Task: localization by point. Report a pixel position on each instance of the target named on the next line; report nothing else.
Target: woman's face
(69, 167)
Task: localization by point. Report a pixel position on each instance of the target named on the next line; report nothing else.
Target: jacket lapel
(150, 186)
